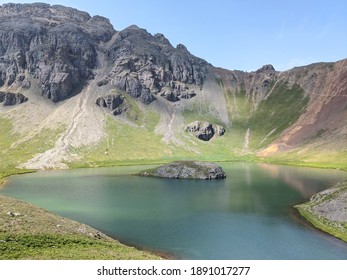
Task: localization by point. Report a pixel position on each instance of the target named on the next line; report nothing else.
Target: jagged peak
(161, 38)
(22, 6)
(38, 9)
(266, 68)
(135, 27)
(182, 47)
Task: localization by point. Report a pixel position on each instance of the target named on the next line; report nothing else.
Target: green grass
(125, 144)
(310, 158)
(60, 247)
(240, 108)
(134, 114)
(11, 157)
(201, 113)
(271, 117)
(281, 109)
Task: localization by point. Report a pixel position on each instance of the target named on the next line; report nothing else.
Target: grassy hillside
(266, 120)
(12, 155)
(281, 109)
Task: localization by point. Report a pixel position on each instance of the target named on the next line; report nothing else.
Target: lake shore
(327, 210)
(29, 232)
(302, 211)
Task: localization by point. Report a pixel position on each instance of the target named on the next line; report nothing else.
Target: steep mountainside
(75, 91)
(303, 107)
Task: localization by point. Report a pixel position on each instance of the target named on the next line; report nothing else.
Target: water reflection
(241, 217)
(307, 181)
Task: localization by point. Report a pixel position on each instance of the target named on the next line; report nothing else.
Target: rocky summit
(187, 170)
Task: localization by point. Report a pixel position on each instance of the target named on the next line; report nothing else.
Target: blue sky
(243, 34)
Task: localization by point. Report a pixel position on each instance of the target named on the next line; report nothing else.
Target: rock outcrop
(146, 66)
(10, 99)
(115, 103)
(204, 130)
(187, 170)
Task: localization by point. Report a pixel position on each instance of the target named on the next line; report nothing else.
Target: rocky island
(186, 170)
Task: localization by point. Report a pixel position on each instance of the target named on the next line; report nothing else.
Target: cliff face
(53, 46)
(58, 48)
(146, 66)
(91, 71)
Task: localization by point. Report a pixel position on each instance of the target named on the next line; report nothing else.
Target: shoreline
(257, 160)
(28, 227)
(332, 222)
(300, 219)
(298, 211)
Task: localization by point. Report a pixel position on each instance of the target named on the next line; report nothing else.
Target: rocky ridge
(38, 50)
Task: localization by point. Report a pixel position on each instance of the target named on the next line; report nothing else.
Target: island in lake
(186, 170)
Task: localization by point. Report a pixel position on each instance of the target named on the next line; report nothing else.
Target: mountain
(76, 92)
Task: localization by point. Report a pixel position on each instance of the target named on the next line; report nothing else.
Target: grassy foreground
(29, 232)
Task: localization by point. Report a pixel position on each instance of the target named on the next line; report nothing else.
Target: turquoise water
(249, 215)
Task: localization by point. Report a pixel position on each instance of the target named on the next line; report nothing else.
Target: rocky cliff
(52, 46)
(58, 47)
(130, 94)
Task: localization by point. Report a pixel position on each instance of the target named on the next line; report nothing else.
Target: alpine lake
(248, 215)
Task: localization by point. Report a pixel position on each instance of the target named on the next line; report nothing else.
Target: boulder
(10, 99)
(204, 130)
(187, 170)
(115, 103)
